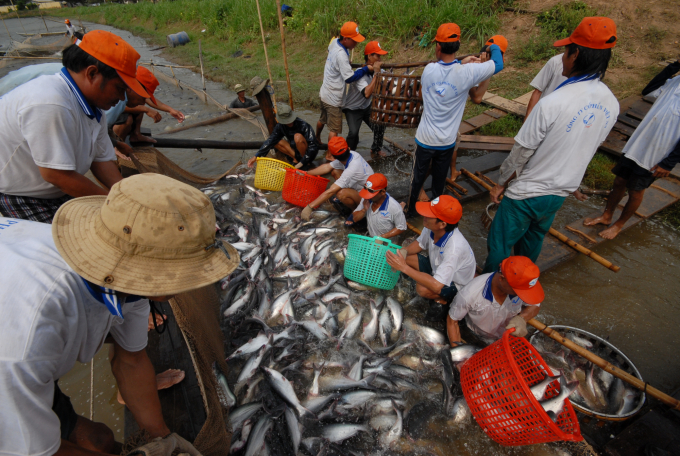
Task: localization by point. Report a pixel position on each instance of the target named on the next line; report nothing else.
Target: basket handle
(382, 241)
(300, 172)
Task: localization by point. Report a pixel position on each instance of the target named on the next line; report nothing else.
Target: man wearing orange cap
(53, 129)
(494, 302)
(445, 88)
(383, 214)
(357, 104)
(450, 264)
(336, 73)
(555, 145)
(350, 171)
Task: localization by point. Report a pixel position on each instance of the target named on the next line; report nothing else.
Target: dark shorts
(122, 118)
(28, 208)
(637, 177)
(448, 292)
(64, 410)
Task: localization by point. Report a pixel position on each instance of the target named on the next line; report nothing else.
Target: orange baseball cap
(522, 275)
(373, 185)
(448, 33)
(373, 47)
(337, 146)
(148, 80)
(445, 208)
(593, 33)
(500, 41)
(351, 30)
(116, 53)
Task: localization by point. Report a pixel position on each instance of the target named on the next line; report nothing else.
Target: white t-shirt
(336, 71)
(451, 257)
(445, 89)
(565, 129)
(45, 125)
(49, 321)
(388, 216)
(354, 173)
(659, 131)
(549, 77)
(483, 314)
(354, 98)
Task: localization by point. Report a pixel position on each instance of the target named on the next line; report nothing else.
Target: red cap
(593, 33)
(522, 276)
(448, 33)
(445, 208)
(373, 185)
(500, 41)
(116, 53)
(351, 30)
(148, 80)
(337, 146)
(373, 47)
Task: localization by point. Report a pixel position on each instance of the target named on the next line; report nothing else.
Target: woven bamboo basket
(397, 101)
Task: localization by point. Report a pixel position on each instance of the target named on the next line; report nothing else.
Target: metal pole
(17, 13)
(285, 56)
(264, 45)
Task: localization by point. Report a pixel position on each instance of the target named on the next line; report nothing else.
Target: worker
(357, 103)
(350, 171)
(291, 136)
(445, 84)
(53, 130)
(494, 302)
(86, 277)
(126, 120)
(651, 153)
(546, 81)
(241, 101)
(554, 146)
(383, 214)
(336, 73)
(450, 264)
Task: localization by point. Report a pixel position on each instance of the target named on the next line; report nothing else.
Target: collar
(441, 62)
(385, 203)
(343, 47)
(109, 298)
(442, 240)
(487, 293)
(575, 79)
(95, 113)
(349, 160)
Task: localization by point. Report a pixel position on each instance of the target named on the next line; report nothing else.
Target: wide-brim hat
(151, 236)
(285, 115)
(258, 84)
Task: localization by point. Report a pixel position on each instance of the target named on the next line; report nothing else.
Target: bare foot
(455, 174)
(597, 220)
(141, 138)
(164, 380)
(379, 153)
(160, 319)
(423, 196)
(611, 232)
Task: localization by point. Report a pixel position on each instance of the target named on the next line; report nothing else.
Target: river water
(637, 309)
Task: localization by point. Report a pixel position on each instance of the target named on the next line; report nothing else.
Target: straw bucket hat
(257, 84)
(151, 236)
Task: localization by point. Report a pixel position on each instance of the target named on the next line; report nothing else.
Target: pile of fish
(596, 389)
(318, 364)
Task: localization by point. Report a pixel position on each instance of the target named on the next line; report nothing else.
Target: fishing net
(36, 46)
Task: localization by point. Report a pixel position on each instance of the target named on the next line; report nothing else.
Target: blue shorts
(448, 292)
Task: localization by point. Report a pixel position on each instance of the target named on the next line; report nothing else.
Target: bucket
(270, 174)
(366, 263)
(496, 384)
(178, 39)
(300, 188)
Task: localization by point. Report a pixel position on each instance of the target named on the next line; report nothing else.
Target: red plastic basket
(496, 385)
(300, 188)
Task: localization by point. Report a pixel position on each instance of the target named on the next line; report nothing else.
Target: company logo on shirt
(589, 116)
(588, 120)
(440, 91)
(440, 88)
(385, 213)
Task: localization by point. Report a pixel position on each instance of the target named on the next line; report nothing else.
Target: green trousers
(521, 224)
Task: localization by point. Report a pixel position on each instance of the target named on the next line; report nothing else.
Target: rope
(92, 389)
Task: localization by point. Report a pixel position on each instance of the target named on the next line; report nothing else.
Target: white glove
(520, 326)
(166, 446)
(306, 213)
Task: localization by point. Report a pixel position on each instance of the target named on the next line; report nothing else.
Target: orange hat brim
(365, 194)
(565, 42)
(424, 208)
(533, 295)
(135, 85)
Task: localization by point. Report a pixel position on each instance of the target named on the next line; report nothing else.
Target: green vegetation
(556, 23)
(505, 126)
(599, 172)
(655, 35)
(671, 215)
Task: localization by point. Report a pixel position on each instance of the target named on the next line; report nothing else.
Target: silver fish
(395, 431)
(385, 326)
(322, 256)
(242, 233)
(463, 352)
(293, 429)
(461, 412)
(310, 280)
(255, 268)
(399, 350)
(320, 291)
(282, 386)
(227, 398)
(595, 388)
(628, 402)
(371, 328)
(554, 406)
(239, 303)
(429, 335)
(253, 364)
(243, 246)
(257, 435)
(357, 286)
(251, 346)
(238, 415)
(334, 295)
(316, 403)
(339, 432)
(355, 372)
(289, 273)
(539, 389)
(306, 244)
(240, 443)
(245, 258)
(271, 240)
(578, 340)
(294, 254)
(351, 327)
(315, 329)
(382, 422)
(397, 312)
(357, 398)
(342, 383)
(281, 304)
(257, 210)
(265, 306)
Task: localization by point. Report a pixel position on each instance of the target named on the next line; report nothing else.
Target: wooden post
(269, 71)
(200, 58)
(265, 102)
(17, 13)
(285, 56)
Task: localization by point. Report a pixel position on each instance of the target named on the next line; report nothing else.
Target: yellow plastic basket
(270, 174)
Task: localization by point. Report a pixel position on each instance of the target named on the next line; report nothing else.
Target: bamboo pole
(214, 120)
(580, 233)
(416, 230)
(8, 35)
(200, 58)
(574, 245)
(17, 13)
(285, 56)
(605, 365)
(456, 186)
(264, 45)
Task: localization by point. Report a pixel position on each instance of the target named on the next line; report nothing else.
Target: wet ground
(637, 309)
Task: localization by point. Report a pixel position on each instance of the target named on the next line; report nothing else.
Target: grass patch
(670, 215)
(505, 126)
(472, 109)
(511, 84)
(599, 172)
(655, 35)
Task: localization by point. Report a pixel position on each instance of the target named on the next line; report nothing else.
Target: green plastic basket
(366, 263)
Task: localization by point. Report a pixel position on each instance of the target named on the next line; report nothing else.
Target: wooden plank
(480, 120)
(641, 106)
(614, 143)
(465, 145)
(635, 114)
(466, 127)
(510, 106)
(624, 129)
(649, 99)
(524, 99)
(628, 121)
(487, 139)
(495, 113)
